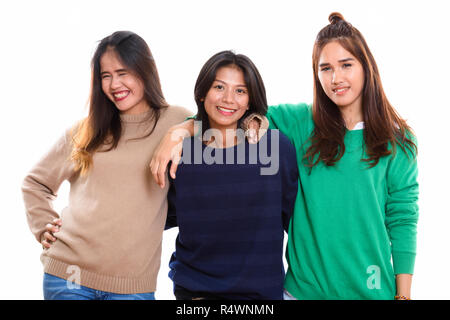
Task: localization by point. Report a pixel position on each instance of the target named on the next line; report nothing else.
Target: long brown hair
(383, 126)
(102, 125)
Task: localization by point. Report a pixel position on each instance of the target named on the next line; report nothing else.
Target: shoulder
(75, 132)
(172, 115)
(406, 148)
(176, 112)
(66, 139)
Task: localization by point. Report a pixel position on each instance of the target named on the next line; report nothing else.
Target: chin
(226, 124)
(123, 108)
(342, 104)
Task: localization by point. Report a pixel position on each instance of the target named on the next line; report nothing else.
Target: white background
(45, 53)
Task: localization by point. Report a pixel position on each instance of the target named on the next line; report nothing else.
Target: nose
(115, 83)
(336, 77)
(228, 96)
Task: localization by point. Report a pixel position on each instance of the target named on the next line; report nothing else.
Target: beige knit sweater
(112, 228)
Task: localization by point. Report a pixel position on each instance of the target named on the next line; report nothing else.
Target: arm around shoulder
(285, 116)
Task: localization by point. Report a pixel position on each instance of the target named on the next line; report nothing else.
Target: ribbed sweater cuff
(100, 282)
(403, 262)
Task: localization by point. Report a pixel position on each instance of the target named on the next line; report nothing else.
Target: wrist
(402, 297)
(178, 133)
(403, 284)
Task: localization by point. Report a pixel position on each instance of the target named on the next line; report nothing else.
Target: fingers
(158, 169)
(51, 229)
(252, 131)
(49, 237)
(174, 166)
(48, 240)
(154, 169)
(168, 150)
(254, 124)
(176, 158)
(57, 221)
(161, 173)
(45, 244)
(252, 136)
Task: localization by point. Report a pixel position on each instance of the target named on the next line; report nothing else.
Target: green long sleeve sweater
(349, 220)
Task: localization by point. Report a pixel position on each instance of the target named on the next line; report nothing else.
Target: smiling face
(227, 99)
(121, 86)
(341, 76)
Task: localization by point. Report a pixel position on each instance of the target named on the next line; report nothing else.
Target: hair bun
(335, 17)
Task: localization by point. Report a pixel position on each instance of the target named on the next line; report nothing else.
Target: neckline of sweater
(136, 118)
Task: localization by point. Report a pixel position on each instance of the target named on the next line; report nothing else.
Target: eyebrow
(342, 60)
(238, 85)
(117, 71)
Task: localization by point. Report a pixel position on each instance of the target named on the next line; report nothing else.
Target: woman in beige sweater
(109, 243)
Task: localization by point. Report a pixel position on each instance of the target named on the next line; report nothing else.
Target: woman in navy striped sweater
(231, 200)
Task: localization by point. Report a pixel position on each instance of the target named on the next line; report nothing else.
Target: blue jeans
(58, 289)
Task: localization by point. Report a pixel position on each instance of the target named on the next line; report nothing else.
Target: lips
(340, 90)
(226, 111)
(120, 95)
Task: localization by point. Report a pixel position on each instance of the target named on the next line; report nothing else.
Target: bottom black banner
(217, 309)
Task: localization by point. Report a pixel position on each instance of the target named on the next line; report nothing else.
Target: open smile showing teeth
(121, 95)
(340, 90)
(225, 110)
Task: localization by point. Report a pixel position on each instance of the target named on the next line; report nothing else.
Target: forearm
(37, 198)
(40, 186)
(403, 282)
(169, 149)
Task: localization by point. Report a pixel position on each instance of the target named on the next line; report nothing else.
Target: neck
(138, 109)
(351, 114)
(135, 117)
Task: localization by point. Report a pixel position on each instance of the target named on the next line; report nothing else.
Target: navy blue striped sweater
(232, 218)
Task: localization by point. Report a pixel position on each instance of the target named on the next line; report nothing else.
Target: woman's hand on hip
(49, 234)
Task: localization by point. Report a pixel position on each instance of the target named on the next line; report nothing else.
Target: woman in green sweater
(356, 208)
(358, 176)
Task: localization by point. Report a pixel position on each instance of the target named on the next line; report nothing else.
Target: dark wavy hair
(253, 81)
(103, 122)
(383, 126)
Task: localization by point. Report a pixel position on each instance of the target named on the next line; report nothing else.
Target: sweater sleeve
(289, 179)
(40, 186)
(285, 117)
(402, 210)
